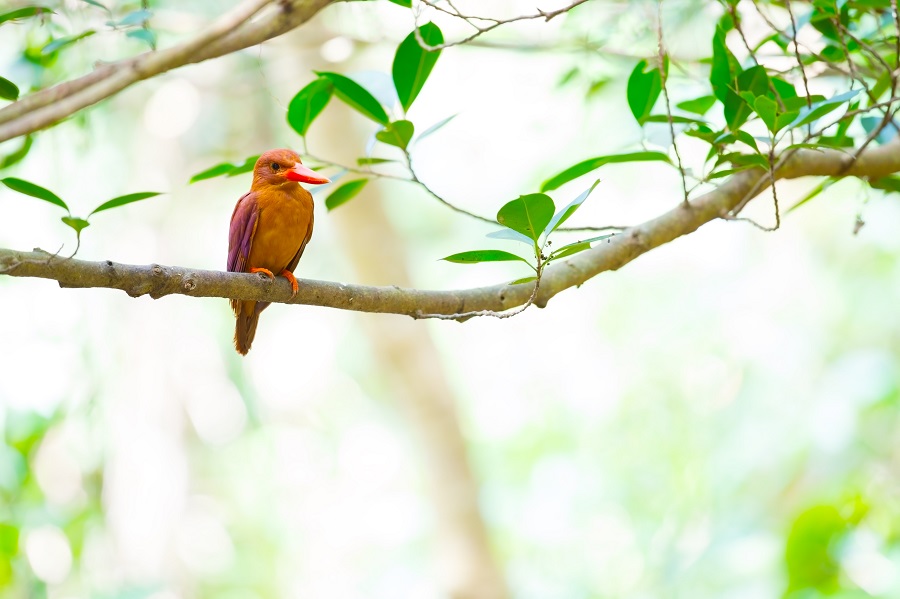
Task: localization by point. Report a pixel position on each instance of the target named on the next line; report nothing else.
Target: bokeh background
(717, 419)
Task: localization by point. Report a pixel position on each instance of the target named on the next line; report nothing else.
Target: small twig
(462, 316)
(547, 15)
(661, 56)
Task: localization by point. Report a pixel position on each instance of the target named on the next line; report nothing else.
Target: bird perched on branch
(270, 227)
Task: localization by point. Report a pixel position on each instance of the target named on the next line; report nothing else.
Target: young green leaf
(98, 5)
(145, 35)
(214, 171)
(522, 281)
(819, 109)
(396, 134)
(356, 96)
(476, 256)
(885, 184)
(413, 64)
(17, 156)
(245, 167)
(698, 105)
(510, 235)
(371, 161)
(133, 18)
(60, 43)
(578, 246)
(403, 3)
(563, 215)
(586, 166)
(308, 104)
(725, 67)
(35, 191)
(527, 214)
(22, 13)
(345, 193)
(435, 127)
(643, 90)
(122, 200)
(8, 90)
(79, 224)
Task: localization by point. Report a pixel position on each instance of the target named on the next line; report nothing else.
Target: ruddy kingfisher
(270, 227)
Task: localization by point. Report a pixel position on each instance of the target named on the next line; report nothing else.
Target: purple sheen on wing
(240, 235)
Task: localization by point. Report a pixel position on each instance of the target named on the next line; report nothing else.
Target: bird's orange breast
(285, 220)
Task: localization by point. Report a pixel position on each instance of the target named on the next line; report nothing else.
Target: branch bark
(230, 33)
(157, 281)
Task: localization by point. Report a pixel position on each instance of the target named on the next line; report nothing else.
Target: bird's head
(277, 167)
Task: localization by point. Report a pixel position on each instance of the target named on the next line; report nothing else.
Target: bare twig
(664, 76)
(546, 15)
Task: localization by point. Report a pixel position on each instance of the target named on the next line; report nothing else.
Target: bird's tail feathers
(245, 328)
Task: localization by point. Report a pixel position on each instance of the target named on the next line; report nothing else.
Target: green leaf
(8, 90)
(586, 166)
(98, 5)
(17, 156)
(527, 214)
(404, 3)
(753, 81)
(510, 235)
(885, 184)
(356, 96)
(522, 281)
(79, 224)
(245, 167)
(9, 540)
(35, 191)
(396, 134)
(698, 105)
(122, 200)
(370, 161)
(476, 256)
(345, 193)
(435, 127)
(145, 35)
(725, 67)
(578, 246)
(664, 118)
(215, 171)
(767, 110)
(60, 43)
(136, 17)
(820, 109)
(784, 89)
(308, 104)
(563, 215)
(643, 90)
(413, 64)
(22, 13)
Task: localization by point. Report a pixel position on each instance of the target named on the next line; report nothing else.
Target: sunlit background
(717, 419)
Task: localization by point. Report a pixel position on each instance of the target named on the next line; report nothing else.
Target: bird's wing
(240, 235)
(296, 259)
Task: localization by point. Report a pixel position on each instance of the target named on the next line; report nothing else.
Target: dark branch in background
(480, 30)
(158, 281)
(230, 33)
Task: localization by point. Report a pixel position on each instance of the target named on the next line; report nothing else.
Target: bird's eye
(275, 167)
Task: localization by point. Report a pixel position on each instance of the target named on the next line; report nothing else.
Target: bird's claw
(264, 271)
(292, 280)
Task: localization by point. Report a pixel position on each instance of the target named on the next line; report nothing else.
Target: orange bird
(270, 227)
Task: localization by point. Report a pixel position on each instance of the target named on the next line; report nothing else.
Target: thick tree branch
(233, 31)
(157, 281)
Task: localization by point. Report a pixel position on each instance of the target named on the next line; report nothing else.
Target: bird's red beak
(304, 174)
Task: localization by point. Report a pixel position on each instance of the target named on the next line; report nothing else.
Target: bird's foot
(264, 271)
(292, 280)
